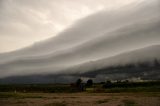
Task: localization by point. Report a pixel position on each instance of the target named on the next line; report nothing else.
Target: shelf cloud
(22, 23)
(116, 35)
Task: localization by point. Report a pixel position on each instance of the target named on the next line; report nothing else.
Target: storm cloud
(101, 39)
(24, 22)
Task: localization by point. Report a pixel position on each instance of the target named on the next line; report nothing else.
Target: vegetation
(89, 83)
(131, 84)
(56, 104)
(108, 86)
(129, 102)
(18, 95)
(44, 88)
(102, 101)
(78, 82)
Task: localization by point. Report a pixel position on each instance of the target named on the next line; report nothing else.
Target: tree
(80, 85)
(78, 82)
(89, 82)
(108, 84)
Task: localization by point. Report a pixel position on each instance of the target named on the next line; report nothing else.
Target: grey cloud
(32, 21)
(93, 27)
(99, 36)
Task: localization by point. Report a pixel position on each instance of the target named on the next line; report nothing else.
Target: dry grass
(80, 99)
(128, 102)
(56, 104)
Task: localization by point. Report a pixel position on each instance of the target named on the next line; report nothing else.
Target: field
(115, 94)
(80, 99)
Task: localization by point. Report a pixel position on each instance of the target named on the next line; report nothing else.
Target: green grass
(66, 88)
(133, 89)
(39, 88)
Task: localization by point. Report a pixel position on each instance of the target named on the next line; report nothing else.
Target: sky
(25, 22)
(80, 36)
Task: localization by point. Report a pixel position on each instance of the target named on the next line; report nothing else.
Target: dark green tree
(89, 82)
(78, 82)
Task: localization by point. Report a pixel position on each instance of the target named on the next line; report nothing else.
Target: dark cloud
(84, 44)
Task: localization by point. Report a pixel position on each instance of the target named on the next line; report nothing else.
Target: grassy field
(153, 86)
(116, 94)
(80, 99)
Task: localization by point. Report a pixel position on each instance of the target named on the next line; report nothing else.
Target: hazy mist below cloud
(128, 35)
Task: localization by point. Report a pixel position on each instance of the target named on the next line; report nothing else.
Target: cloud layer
(23, 23)
(96, 37)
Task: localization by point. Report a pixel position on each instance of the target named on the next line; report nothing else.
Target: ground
(80, 99)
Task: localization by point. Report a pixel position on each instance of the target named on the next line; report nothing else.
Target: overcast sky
(23, 22)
